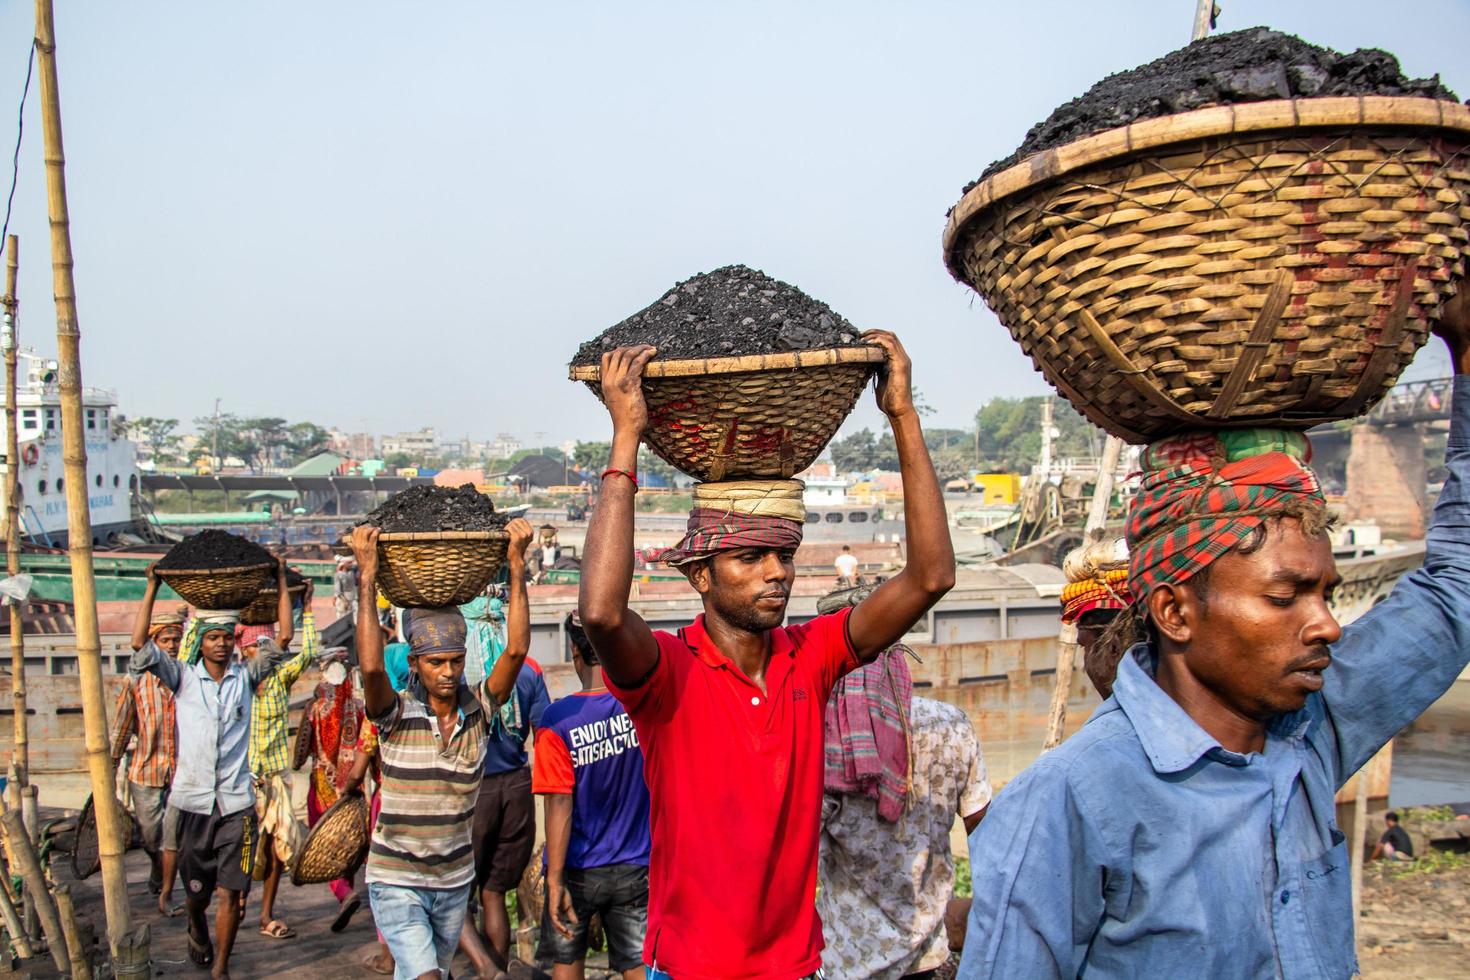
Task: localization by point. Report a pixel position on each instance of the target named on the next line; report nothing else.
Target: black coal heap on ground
(214, 549)
(731, 312)
(1252, 65)
(426, 508)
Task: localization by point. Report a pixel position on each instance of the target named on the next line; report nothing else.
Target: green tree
(591, 455)
(269, 434)
(305, 440)
(1009, 436)
(158, 438)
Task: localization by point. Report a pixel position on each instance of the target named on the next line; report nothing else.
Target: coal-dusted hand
(895, 377)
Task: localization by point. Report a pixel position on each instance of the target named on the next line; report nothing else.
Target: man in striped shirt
(431, 740)
(280, 831)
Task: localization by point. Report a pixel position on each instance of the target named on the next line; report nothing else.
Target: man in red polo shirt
(729, 710)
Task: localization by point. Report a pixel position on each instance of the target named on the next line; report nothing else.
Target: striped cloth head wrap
(205, 621)
(1105, 590)
(740, 514)
(711, 531)
(1204, 494)
(249, 636)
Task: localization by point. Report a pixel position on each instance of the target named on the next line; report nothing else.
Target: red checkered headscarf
(710, 531)
(1199, 506)
(249, 636)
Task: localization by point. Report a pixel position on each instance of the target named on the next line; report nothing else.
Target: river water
(1431, 758)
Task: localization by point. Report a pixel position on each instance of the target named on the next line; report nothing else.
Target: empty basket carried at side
(336, 846)
(758, 416)
(1268, 264)
(429, 569)
(218, 588)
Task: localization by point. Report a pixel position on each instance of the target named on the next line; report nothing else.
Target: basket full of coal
(752, 377)
(440, 546)
(216, 570)
(1250, 231)
(266, 605)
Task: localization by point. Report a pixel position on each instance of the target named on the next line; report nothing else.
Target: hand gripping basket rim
(1186, 127)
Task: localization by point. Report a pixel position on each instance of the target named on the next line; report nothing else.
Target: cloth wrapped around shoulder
(740, 514)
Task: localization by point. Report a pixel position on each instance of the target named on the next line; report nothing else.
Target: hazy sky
(383, 216)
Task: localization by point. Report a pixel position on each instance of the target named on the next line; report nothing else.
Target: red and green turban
(1203, 494)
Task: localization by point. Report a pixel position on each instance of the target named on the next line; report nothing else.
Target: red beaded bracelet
(631, 478)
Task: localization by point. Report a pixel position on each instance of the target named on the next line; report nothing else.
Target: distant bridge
(1405, 404)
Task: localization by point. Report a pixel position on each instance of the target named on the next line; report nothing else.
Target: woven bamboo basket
(263, 609)
(336, 846)
(1275, 263)
(765, 416)
(438, 568)
(218, 588)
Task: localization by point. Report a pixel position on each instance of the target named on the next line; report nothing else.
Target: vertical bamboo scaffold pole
(9, 339)
(120, 936)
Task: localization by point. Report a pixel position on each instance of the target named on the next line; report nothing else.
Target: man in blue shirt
(589, 771)
(212, 786)
(1188, 829)
(505, 815)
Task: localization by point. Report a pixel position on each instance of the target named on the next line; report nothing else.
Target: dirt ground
(1415, 924)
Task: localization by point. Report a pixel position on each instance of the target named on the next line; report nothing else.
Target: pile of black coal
(733, 311)
(1253, 65)
(214, 549)
(426, 508)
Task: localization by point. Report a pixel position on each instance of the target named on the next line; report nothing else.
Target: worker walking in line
(1189, 829)
(145, 710)
(213, 692)
(847, 568)
(282, 834)
(729, 710)
(431, 742)
(589, 775)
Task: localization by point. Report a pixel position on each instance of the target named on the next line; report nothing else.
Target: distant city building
(353, 445)
(424, 442)
(505, 446)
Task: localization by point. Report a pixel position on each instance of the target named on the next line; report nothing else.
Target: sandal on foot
(200, 953)
(376, 965)
(276, 929)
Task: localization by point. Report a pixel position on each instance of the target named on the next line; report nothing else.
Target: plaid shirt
(269, 713)
(153, 723)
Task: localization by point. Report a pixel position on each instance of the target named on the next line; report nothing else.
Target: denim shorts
(619, 892)
(420, 925)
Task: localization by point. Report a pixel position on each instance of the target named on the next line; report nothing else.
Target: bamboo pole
(1067, 648)
(29, 865)
(66, 911)
(79, 523)
(20, 741)
(14, 927)
(1355, 843)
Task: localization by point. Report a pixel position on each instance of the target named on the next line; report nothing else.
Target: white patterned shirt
(884, 886)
